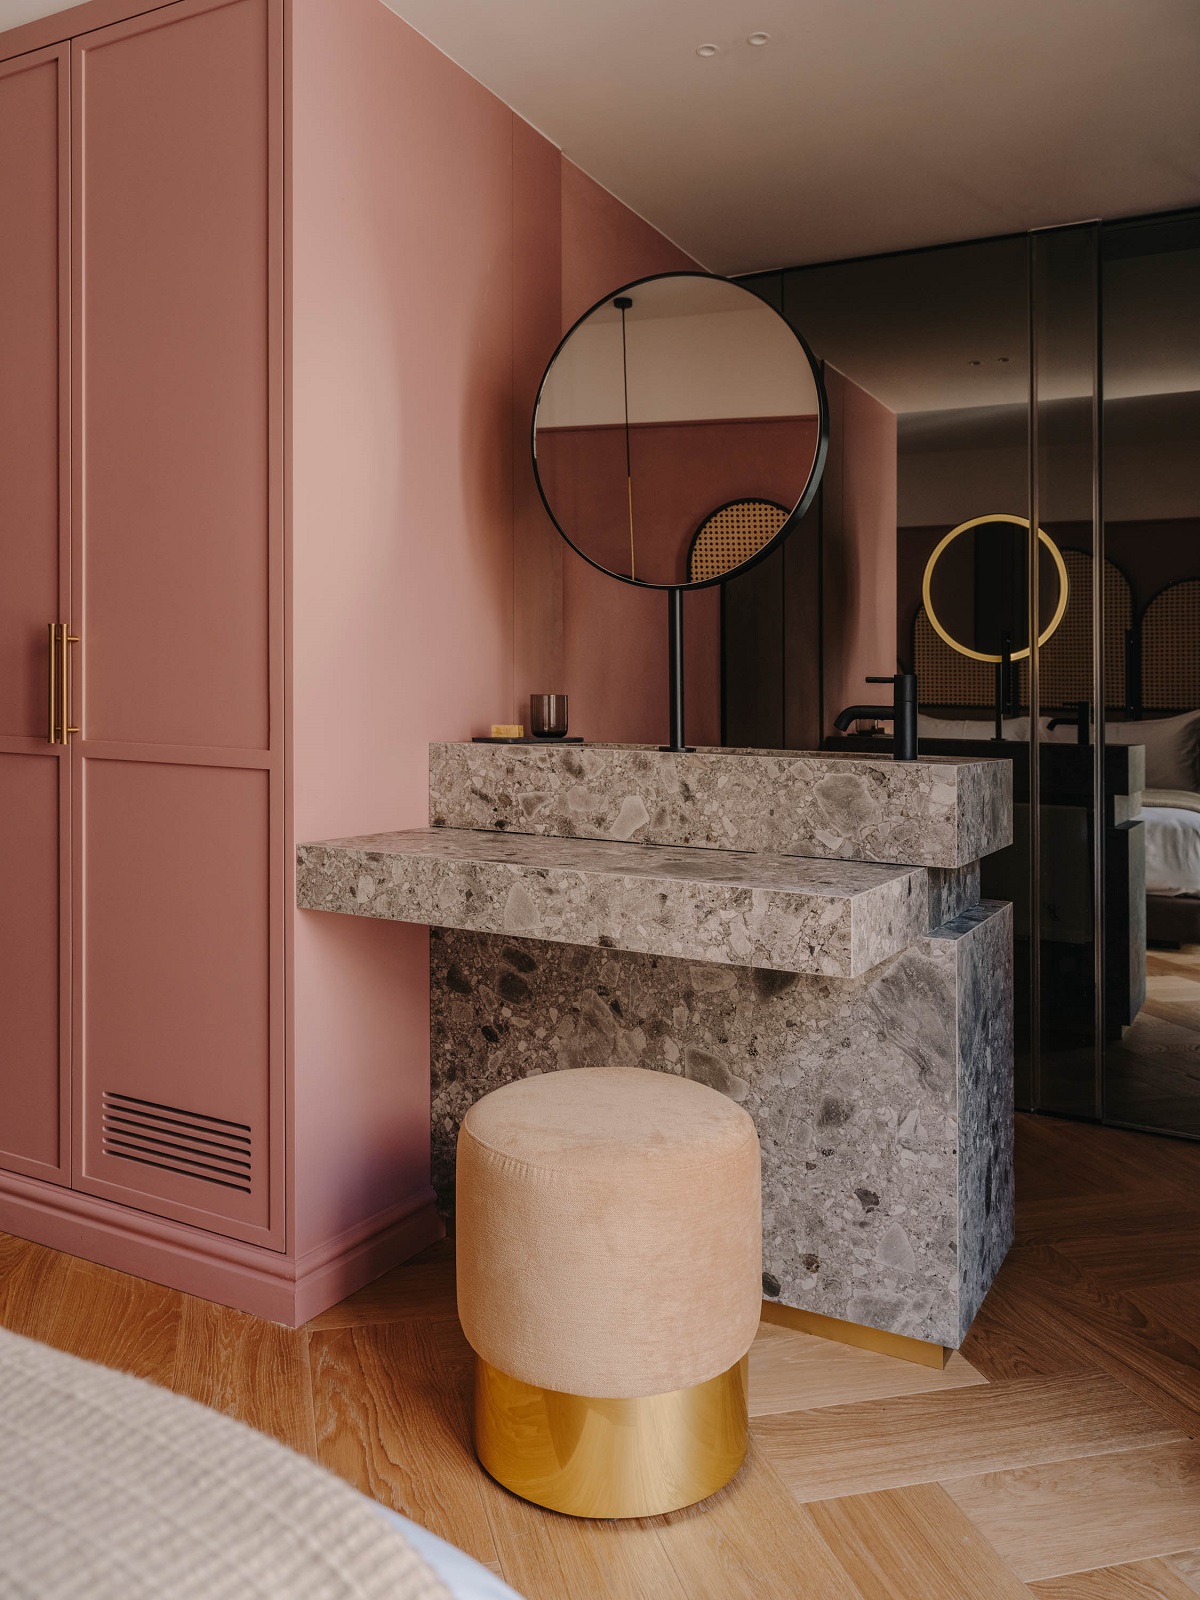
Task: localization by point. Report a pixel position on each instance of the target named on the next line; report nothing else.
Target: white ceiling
(861, 126)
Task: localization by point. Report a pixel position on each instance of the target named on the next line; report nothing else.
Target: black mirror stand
(675, 670)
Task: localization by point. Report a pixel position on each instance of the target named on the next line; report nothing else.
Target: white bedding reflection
(1172, 819)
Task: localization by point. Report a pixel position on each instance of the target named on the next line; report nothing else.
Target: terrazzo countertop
(790, 914)
(940, 811)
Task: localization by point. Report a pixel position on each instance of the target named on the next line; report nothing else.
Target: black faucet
(902, 714)
(1081, 717)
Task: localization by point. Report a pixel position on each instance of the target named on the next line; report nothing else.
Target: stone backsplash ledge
(936, 812)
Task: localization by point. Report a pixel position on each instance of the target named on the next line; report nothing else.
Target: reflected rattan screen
(1171, 649)
(731, 535)
(945, 678)
(1065, 661)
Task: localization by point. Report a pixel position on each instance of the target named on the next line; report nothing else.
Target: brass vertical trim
(66, 640)
(52, 733)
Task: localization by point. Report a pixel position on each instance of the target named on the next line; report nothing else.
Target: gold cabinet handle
(61, 640)
(53, 734)
(68, 639)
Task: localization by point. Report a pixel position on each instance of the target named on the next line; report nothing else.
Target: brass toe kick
(611, 1458)
(898, 1345)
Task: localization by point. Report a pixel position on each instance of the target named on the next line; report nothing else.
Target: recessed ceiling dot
(1003, 360)
(707, 50)
(757, 38)
(972, 363)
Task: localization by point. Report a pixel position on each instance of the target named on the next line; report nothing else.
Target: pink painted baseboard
(262, 1282)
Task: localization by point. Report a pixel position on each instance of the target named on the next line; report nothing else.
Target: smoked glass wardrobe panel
(1067, 828)
(1150, 280)
(932, 348)
(177, 769)
(34, 593)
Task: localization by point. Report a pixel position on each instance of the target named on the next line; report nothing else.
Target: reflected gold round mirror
(672, 396)
(976, 585)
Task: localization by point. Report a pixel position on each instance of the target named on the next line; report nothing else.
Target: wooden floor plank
(33, 1284)
(249, 1369)
(914, 1544)
(1116, 1215)
(548, 1557)
(1142, 1580)
(1060, 1158)
(1186, 1565)
(886, 1444)
(1052, 1162)
(1018, 1332)
(14, 1253)
(391, 1419)
(1177, 1304)
(751, 1540)
(1138, 1257)
(422, 1287)
(1117, 1331)
(792, 1371)
(119, 1321)
(1096, 1511)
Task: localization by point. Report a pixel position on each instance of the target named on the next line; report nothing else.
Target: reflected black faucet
(1081, 717)
(902, 714)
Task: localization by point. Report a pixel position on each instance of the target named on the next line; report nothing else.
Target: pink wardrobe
(181, 1096)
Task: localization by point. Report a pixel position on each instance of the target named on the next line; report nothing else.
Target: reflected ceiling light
(757, 38)
(927, 587)
(707, 50)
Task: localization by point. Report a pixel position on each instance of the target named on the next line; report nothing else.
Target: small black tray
(528, 738)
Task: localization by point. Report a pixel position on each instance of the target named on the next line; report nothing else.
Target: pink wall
(438, 243)
(858, 546)
(402, 439)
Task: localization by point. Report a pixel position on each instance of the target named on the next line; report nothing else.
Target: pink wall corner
(362, 1068)
(615, 636)
(604, 245)
(402, 528)
(539, 552)
(859, 544)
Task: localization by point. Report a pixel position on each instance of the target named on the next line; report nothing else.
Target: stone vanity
(802, 931)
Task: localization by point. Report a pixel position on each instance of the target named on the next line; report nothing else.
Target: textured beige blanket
(111, 1489)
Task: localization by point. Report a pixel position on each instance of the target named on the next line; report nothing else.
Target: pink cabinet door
(177, 771)
(34, 591)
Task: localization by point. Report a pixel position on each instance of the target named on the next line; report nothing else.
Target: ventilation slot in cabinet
(207, 1148)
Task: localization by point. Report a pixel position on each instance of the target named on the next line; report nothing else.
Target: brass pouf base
(611, 1458)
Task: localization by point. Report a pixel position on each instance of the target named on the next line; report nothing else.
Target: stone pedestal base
(883, 1102)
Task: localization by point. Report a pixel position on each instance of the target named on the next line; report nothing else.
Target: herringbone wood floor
(1056, 1457)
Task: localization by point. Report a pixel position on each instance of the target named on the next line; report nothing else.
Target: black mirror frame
(810, 488)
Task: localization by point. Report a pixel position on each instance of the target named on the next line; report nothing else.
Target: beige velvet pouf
(609, 1246)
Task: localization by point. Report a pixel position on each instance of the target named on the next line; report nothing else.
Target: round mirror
(976, 585)
(672, 398)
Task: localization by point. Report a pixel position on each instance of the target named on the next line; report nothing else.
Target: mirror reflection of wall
(927, 361)
(666, 404)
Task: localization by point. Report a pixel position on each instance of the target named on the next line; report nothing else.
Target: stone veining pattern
(790, 914)
(985, 1164)
(938, 812)
(855, 1086)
